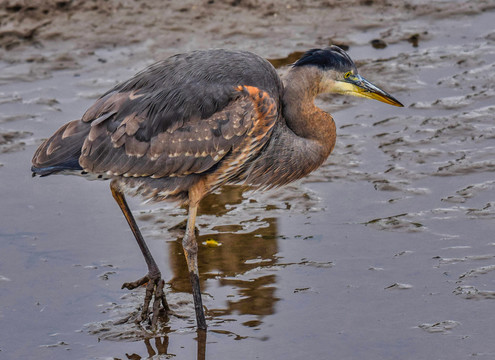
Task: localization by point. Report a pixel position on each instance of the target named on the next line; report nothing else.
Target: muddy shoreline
(271, 28)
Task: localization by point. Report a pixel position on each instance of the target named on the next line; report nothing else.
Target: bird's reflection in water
(158, 346)
(240, 252)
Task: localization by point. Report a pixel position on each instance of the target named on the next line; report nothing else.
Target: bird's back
(195, 85)
(178, 117)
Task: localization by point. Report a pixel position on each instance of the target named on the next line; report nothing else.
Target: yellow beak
(356, 85)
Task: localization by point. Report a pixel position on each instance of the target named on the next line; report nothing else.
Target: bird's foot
(154, 286)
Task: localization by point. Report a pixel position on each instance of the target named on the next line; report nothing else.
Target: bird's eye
(347, 74)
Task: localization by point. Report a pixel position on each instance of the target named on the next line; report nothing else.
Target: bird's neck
(302, 142)
(302, 116)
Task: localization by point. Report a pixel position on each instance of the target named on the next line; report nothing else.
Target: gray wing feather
(192, 148)
(187, 87)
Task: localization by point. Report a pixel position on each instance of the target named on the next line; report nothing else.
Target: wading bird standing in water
(191, 123)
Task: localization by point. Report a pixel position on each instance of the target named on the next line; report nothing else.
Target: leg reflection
(161, 347)
(201, 340)
(161, 344)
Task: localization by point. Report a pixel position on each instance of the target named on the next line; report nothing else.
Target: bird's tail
(60, 153)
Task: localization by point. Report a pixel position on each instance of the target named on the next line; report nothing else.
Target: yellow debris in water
(211, 243)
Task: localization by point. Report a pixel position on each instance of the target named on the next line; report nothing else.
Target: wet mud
(385, 252)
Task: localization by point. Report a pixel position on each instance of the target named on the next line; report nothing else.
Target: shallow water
(386, 252)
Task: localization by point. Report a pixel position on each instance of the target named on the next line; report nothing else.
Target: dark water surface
(386, 252)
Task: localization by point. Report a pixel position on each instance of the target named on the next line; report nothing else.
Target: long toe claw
(159, 296)
(164, 300)
(136, 284)
(154, 287)
(150, 289)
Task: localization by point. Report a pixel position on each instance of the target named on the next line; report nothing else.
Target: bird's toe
(154, 291)
(134, 284)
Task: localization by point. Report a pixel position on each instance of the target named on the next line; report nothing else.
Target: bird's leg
(155, 284)
(190, 247)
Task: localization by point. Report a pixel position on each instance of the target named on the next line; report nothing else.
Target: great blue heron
(195, 121)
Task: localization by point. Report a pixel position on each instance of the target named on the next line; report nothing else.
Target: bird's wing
(113, 145)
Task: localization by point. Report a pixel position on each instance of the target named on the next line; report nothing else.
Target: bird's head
(340, 75)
